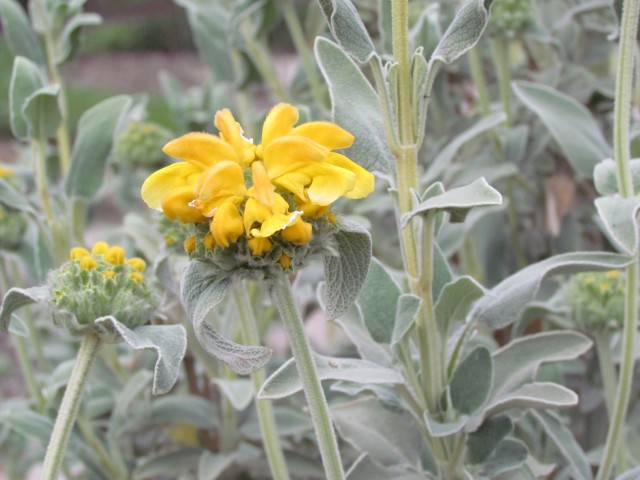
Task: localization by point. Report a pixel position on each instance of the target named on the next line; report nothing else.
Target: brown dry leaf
(559, 191)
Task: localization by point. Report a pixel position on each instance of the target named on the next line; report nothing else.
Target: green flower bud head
(597, 300)
(174, 233)
(510, 18)
(141, 146)
(100, 282)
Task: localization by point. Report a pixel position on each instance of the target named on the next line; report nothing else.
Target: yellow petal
(327, 134)
(100, 248)
(137, 264)
(365, 180)
(199, 148)
(298, 232)
(159, 183)
(329, 183)
(259, 246)
(231, 132)
(270, 220)
(77, 253)
(254, 213)
(115, 255)
(291, 153)
(279, 122)
(310, 210)
(263, 189)
(223, 181)
(176, 204)
(295, 182)
(227, 225)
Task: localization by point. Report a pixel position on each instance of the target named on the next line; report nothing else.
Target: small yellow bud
(613, 274)
(209, 241)
(137, 277)
(285, 261)
(604, 287)
(5, 172)
(115, 255)
(169, 240)
(109, 274)
(100, 248)
(259, 246)
(88, 263)
(332, 217)
(77, 253)
(190, 244)
(137, 264)
(299, 232)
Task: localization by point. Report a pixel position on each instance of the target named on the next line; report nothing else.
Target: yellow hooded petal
(259, 246)
(199, 148)
(365, 180)
(159, 183)
(329, 183)
(269, 220)
(290, 153)
(231, 132)
(226, 225)
(220, 182)
(326, 134)
(310, 210)
(298, 232)
(263, 190)
(177, 205)
(279, 122)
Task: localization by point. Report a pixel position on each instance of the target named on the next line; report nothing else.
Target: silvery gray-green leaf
(536, 395)
(458, 201)
(442, 273)
(569, 122)
(239, 391)
(444, 158)
(172, 464)
(182, 408)
(393, 439)
(21, 40)
(92, 146)
(605, 180)
(347, 28)
(70, 35)
(446, 428)
(406, 310)
(286, 380)
(464, 31)
(482, 442)
(19, 297)
(363, 468)
(10, 197)
(508, 455)
(41, 112)
(377, 301)
(168, 341)
(517, 362)
(290, 422)
(619, 217)
(26, 78)
(212, 465)
(471, 382)
(345, 273)
(355, 106)
(201, 291)
(387, 395)
(505, 303)
(455, 302)
(564, 440)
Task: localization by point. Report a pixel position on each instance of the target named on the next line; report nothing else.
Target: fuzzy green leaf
(347, 28)
(444, 429)
(172, 464)
(19, 297)
(345, 273)
(212, 465)
(509, 455)
(565, 441)
(505, 303)
(364, 468)
(464, 31)
(189, 409)
(537, 395)
(389, 438)
(41, 112)
(19, 36)
(458, 201)
(619, 217)
(569, 122)
(168, 341)
(202, 290)
(355, 106)
(377, 302)
(455, 302)
(25, 80)
(10, 197)
(482, 442)
(471, 382)
(517, 363)
(70, 35)
(406, 311)
(286, 380)
(605, 176)
(92, 146)
(238, 391)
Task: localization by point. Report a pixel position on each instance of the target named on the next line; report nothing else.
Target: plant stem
(283, 298)
(622, 150)
(69, 407)
(500, 52)
(400, 32)
(27, 371)
(300, 42)
(477, 75)
(116, 470)
(229, 437)
(266, 417)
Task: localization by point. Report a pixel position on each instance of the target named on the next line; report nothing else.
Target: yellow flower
(209, 241)
(88, 263)
(259, 246)
(613, 274)
(300, 159)
(190, 244)
(137, 277)
(78, 253)
(285, 261)
(115, 255)
(299, 232)
(5, 172)
(137, 264)
(109, 274)
(227, 226)
(100, 248)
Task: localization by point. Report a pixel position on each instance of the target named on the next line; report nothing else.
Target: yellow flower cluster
(257, 191)
(5, 171)
(112, 256)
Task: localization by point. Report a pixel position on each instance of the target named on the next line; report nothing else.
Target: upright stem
(69, 407)
(266, 417)
(500, 51)
(622, 112)
(300, 42)
(477, 75)
(283, 298)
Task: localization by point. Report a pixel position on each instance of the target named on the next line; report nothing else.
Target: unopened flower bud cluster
(100, 282)
(597, 300)
(141, 146)
(510, 18)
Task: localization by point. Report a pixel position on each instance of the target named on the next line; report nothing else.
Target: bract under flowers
(244, 191)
